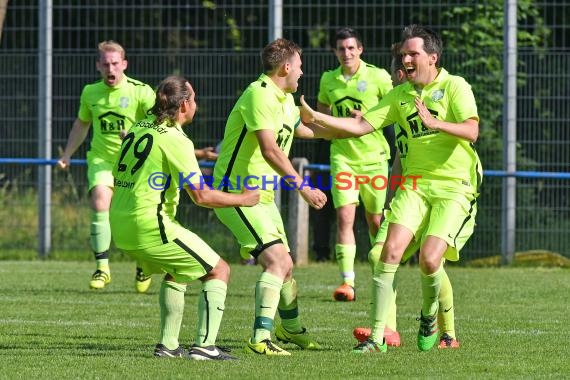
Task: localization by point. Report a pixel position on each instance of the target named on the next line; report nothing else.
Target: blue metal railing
(317, 167)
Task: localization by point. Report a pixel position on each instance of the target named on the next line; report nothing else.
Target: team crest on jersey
(361, 86)
(437, 95)
(124, 102)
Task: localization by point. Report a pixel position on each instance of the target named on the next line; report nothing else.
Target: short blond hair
(112, 46)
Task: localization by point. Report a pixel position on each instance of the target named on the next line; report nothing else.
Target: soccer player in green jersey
(111, 106)
(155, 163)
(446, 311)
(254, 152)
(436, 204)
(350, 90)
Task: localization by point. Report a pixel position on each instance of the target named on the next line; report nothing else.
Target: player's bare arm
(314, 131)
(282, 165)
(208, 153)
(76, 137)
(342, 126)
(468, 129)
(205, 196)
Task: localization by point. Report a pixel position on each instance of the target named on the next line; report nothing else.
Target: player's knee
(392, 252)
(223, 270)
(220, 272)
(287, 264)
(429, 263)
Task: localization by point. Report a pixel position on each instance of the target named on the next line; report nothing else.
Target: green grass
(512, 323)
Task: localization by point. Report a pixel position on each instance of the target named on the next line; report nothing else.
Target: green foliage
(54, 327)
(318, 36)
(481, 46)
(480, 43)
(234, 33)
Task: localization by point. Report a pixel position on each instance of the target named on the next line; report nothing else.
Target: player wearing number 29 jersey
(162, 156)
(156, 161)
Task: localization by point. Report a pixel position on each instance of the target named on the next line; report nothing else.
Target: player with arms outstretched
(446, 311)
(438, 113)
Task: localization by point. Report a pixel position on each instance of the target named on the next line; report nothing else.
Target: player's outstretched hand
(208, 153)
(250, 197)
(314, 197)
(307, 113)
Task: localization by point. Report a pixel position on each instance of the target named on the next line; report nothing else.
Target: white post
(44, 126)
(509, 191)
(275, 19)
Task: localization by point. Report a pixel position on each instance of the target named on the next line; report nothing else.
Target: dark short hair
(346, 33)
(432, 41)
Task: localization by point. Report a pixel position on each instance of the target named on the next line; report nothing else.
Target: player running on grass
(438, 114)
(257, 139)
(111, 105)
(156, 161)
(446, 311)
(351, 89)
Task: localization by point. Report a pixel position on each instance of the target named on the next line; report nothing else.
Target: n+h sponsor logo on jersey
(345, 105)
(111, 122)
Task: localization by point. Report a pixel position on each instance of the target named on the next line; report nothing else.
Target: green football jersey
(112, 109)
(360, 92)
(263, 105)
(431, 154)
(154, 163)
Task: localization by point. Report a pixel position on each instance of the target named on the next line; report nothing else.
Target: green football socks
(345, 254)
(210, 311)
(171, 301)
(382, 297)
(100, 237)
(446, 312)
(373, 260)
(374, 256)
(288, 310)
(267, 290)
(431, 285)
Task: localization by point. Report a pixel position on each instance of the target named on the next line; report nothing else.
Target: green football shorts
(255, 228)
(367, 182)
(99, 172)
(186, 258)
(437, 210)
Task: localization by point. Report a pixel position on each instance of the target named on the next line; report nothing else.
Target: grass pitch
(512, 323)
